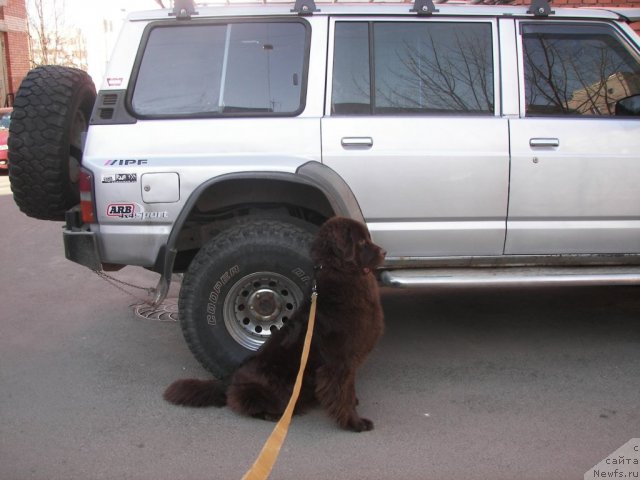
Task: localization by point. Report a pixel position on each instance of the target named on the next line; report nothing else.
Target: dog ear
(348, 241)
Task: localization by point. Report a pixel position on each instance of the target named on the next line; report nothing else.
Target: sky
(89, 16)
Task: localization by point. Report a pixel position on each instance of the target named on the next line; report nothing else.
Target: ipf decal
(130, 162)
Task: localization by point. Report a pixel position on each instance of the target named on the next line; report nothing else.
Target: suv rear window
(413, 68)
(244, 68)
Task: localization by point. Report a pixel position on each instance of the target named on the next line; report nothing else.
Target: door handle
(544, 142)
(356, 142)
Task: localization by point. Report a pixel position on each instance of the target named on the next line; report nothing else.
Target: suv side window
(575, 69)
(244, 68)
(413, 68)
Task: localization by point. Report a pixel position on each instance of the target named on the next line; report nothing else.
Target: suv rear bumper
(81, 246)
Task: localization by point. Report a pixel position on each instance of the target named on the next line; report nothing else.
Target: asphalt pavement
(466, 384)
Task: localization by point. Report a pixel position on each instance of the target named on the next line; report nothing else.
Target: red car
(5, 118)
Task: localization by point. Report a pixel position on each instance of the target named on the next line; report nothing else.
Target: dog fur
(349, 322)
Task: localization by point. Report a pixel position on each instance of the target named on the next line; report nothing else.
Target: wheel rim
(258, 305)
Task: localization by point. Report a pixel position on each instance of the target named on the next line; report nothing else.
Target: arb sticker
(122, 210)
(134, 211)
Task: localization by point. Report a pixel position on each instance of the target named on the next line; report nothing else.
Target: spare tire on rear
(50, 117)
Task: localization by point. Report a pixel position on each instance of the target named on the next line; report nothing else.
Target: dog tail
(191, 392)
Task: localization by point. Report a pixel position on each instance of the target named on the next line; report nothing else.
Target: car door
(411, 126)
(575, 163)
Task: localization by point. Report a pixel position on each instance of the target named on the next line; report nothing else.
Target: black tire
(50, 116)
(241, 285)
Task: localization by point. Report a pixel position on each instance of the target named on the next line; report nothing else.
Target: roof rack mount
(540, 8)
(305, 7)
(424, 7)
(183, 9)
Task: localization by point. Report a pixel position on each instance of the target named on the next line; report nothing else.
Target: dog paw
(360, 425)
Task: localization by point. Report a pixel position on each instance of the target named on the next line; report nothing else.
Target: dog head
(344, 244)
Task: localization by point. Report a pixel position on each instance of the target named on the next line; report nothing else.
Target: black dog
(349, 322)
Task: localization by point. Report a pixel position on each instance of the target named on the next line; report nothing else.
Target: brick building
(14, 48)
(597, 3)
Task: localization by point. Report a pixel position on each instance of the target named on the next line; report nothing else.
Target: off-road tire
(227, 277)
(50, 116)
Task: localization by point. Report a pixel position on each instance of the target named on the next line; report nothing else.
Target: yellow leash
(266, 460)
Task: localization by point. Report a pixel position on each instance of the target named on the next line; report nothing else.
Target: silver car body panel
(439, 197)
(574, 182)
(428, 186)
(199, 150)
(135, 236)
(579, 197)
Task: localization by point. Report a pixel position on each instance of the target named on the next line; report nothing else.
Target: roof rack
(540, 8)
(184, 9)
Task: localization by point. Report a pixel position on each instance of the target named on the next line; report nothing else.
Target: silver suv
(481, 145)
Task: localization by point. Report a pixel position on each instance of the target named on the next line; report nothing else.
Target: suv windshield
(217, 69)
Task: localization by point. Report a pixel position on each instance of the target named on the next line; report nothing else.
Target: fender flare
(313, 174)
(333, 186)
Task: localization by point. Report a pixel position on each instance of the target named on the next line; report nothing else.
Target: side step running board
(511, 276)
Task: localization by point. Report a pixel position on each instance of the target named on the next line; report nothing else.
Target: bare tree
(585, 78)
(435, 76)
(51, 40)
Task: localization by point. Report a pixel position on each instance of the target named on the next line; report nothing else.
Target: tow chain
(120, 284)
